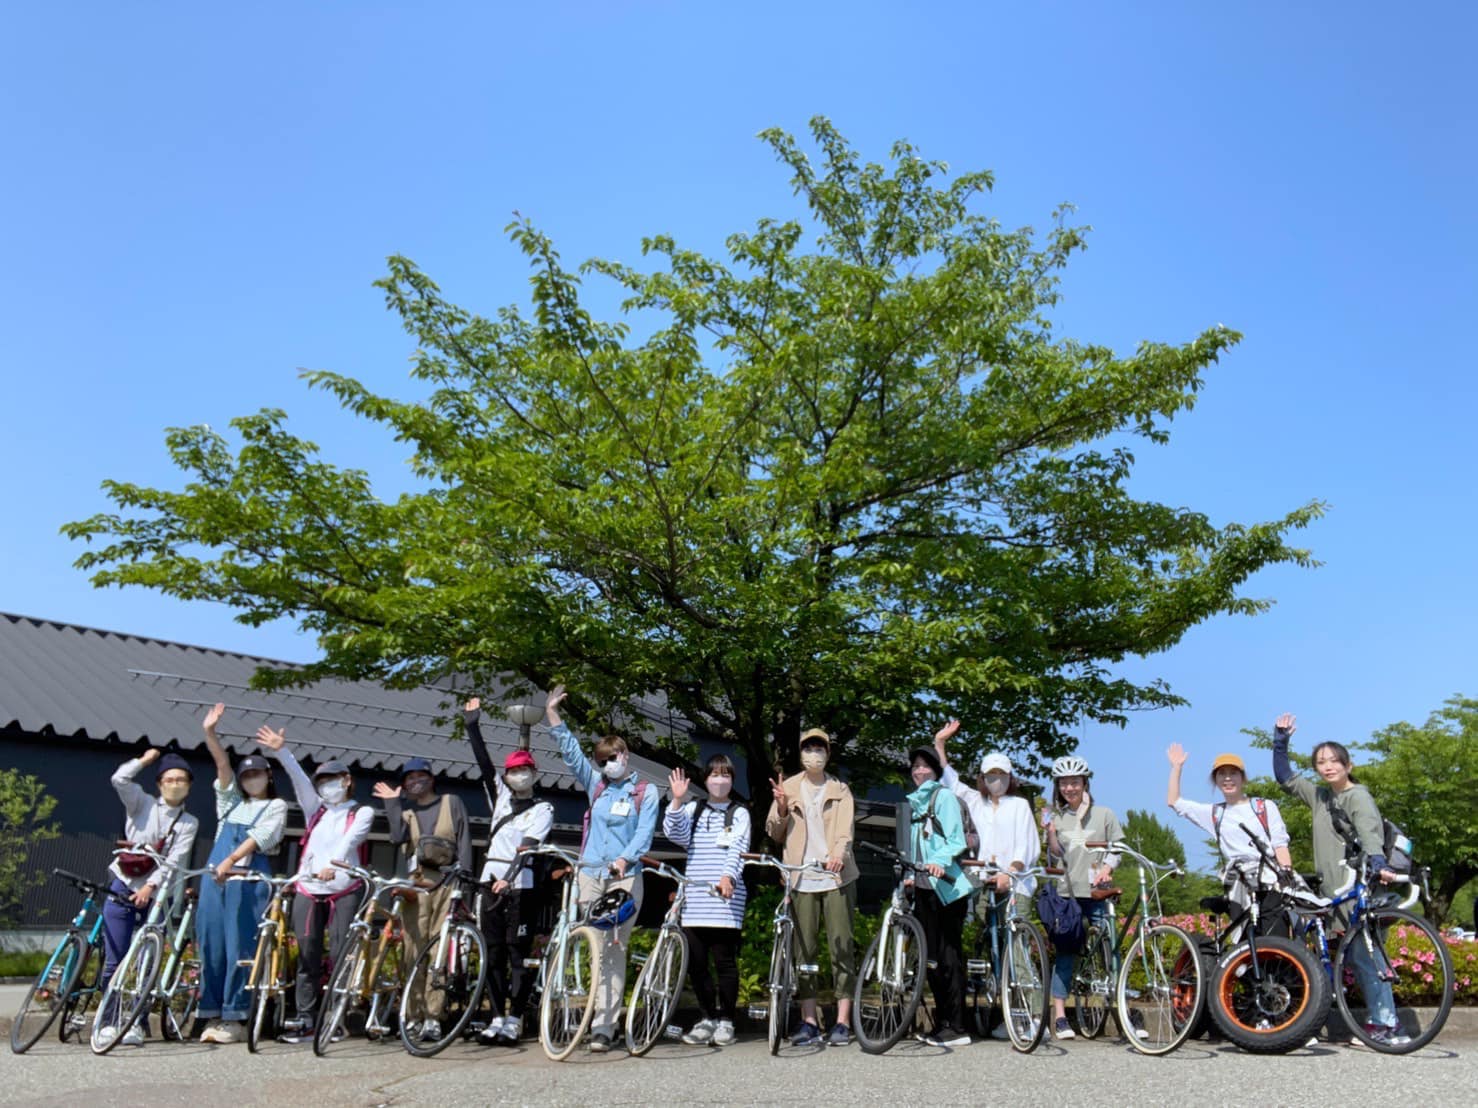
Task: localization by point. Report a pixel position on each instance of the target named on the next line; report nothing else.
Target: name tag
(622, 808)
(725, 838)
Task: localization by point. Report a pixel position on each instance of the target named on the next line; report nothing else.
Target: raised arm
(1177, 756)
(779, 818)
(389, 795)
(677, 824)
(1283, 730)
(569, 746)
(274, 743)
(136, 802)
(223, 764)
(471, 716)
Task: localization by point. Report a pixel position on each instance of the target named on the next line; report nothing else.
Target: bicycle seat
(1216, 905)
(1110, 893)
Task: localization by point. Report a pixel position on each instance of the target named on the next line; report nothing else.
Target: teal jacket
(940, 840)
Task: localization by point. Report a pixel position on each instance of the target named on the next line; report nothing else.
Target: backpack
(1397, 848)
(1218, 811)
(364, 847)
(600, 787)
(1062, 918)
(698, 811)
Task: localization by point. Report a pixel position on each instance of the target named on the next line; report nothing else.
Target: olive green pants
(836, 907)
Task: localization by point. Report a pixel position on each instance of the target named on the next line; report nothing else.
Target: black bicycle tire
(782, 954)
(176, 1028)
(1444, 1009)
(667, 936)
(1038, 954)
(919, 954)
(1191, 954)
(83, 995)
(984, 1004)
(144, 939)
(337, 1002)
(23, 1038)
(1088, 1026)
(263, 992)
(423, 1048)
(1294, 1032)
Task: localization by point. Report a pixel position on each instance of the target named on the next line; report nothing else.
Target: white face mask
(996, 784)
(615, 769)
(519, 780)
(813, 761)
(718, 787)
(254, 784)
(333, 792)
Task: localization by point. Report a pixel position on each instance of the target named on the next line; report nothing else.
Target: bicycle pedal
(808, 967)
(244, 963)
(977, 967)
(532, 963)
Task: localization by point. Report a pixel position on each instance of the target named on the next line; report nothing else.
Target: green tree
(849, 473)
(1420, 778)
(25, 809)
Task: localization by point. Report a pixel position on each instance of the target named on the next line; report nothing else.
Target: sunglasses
(607, 760)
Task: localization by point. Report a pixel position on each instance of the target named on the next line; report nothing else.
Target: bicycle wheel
(658, 988)
(450, 976)
(568, 1003)
(782, 984)
(131, 991)
(890, 985)
(268, 995)
(178, 1013)
(1408, 951)
(1159, 997)
(1025, 999)
(344, 992)
(1093, 983)
(1276, 1009)
(981, 983)
(82, 998)
(48, 993)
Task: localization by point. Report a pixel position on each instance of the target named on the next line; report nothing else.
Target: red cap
(519, 758)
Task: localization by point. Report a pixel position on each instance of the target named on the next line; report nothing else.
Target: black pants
(723, 944)
(508, 927)
(944, 929)
(321, 925)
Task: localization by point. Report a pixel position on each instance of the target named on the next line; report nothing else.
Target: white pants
(612, 983)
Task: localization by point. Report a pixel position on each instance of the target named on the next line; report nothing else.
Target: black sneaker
(808, 1034)
(600, 1043)
(949, 1037)
(298, 1030)
(839, 1035)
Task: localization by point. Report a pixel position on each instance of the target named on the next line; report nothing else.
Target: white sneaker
(429, 1030)
(229, 1031)
(702, 1033)
(107, 1035)
(134, 1036)
(999, 1031)
(512, 1029)
(723, 1035)
(489, 1034)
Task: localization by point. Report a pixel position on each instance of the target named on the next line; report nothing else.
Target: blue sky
(197, 198)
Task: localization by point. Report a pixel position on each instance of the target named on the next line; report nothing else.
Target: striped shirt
(709, 860)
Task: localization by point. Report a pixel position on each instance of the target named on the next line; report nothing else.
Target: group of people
(811, 817)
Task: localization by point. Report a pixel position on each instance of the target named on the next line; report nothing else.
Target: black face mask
(417, 789)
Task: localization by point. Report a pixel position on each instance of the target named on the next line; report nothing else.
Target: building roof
(59, 678)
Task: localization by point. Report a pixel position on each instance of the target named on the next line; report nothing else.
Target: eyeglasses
(607, 760)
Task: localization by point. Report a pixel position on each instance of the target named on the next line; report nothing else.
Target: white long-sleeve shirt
(1007, 831)
(1235, 845)
(146, 820)
(533, 823)
(336, 836)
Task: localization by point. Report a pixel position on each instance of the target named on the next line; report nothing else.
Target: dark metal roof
(58, 678)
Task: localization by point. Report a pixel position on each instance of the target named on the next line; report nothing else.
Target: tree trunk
(1440, 903)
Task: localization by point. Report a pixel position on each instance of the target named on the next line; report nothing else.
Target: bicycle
(270, 978)
(659, 986)
(1373, 919)
(1024, 999)
(890, 982)
(1267, 994)
(67, 985)
(369, 966)
(453, 969)
(569, 968)
(783, 967)
(155, 970)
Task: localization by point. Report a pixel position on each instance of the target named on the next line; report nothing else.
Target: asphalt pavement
(359, 1073)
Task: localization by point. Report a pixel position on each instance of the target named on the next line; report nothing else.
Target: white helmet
(1070, 765)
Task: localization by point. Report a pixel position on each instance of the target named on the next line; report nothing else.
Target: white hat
(995, 760)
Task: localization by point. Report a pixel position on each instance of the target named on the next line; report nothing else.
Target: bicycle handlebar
(785, 867)
(1118, 846)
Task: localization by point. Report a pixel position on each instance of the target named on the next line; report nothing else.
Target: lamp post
(525, 716)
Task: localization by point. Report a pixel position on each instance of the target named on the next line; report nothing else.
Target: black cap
(172, 761)
(930, 756)
(251, 762)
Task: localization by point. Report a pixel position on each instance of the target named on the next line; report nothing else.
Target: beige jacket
(788, 827)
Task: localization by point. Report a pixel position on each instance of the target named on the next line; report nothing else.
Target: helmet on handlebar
(612, 909)
(1070, 765)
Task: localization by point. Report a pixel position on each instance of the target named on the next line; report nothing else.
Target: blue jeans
(1062, 964)
(226, 930)
(1380, 1002)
